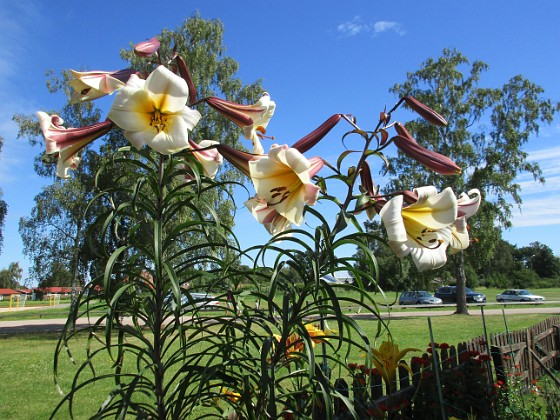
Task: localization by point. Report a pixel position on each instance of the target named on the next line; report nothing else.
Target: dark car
(419, 297)
(448, 294)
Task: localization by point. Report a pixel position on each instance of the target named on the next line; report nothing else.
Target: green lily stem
(339, 225)
(159, 370)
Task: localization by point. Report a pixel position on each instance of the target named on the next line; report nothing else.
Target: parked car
(200, 300)
(449, 295)
(419, 297)
(328, 278)
(518, 295)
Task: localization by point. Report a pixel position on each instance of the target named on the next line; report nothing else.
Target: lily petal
(273, 222)
(90, 85)
(58, 137)
(421, 229)
(210, 159)
(153, 112)
(283, 179)
(66, 163)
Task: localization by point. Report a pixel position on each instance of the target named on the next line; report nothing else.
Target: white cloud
(357, 26)
(384, 26)
(540, 201)
(545, 154)
(538, 212)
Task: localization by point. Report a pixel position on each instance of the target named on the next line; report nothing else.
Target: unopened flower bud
(424, 111)
(430, 159)
(146, 48)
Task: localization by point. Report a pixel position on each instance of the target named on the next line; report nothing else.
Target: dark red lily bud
(410, 197)
(186, 75)
(230, 111)
(430, 159)
(146, 48)
(307, 142)
(402, 131)
(237, 158)
(384, 137)
(384, 118)
(425, 112)
(367, 180)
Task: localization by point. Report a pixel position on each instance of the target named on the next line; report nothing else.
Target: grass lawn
(27, 389)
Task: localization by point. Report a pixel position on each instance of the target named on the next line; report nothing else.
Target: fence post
(436, 370)
(529, 339)
(341, 386)
(557, 342)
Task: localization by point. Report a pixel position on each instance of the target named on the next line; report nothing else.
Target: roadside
(56, 325)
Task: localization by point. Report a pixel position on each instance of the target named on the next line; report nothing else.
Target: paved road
(56, 325)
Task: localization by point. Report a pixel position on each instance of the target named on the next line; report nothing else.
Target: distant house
(24, 291)
(43, 292)
(6, 293)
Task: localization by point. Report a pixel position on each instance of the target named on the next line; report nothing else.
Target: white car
(518, 295)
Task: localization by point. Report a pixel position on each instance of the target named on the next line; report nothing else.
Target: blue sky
(316, 58)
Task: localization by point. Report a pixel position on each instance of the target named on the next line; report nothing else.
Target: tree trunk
(461, 286)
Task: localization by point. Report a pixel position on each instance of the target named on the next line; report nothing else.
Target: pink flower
(65, 143)
(90, 85)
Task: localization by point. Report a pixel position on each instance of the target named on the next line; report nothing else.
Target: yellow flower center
(159, 121)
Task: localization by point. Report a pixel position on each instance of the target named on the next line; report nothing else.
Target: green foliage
(513, 399)
(10, 277)
(540, 259)
(185, 358)
(487, 129)
(58, 222)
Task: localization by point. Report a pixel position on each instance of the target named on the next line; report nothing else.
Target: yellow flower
(388, 358)
(295, 344)
(154, 112)
(230, 395)
(317, 335)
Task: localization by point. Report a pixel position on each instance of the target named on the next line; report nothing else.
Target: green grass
(27, 360)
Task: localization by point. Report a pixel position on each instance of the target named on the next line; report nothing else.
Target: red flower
(444, 346)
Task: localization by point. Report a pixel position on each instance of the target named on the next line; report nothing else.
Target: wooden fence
(529, 353)
(474, 365)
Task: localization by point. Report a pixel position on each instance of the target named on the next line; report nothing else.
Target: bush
(524, 278)
(498, 281)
